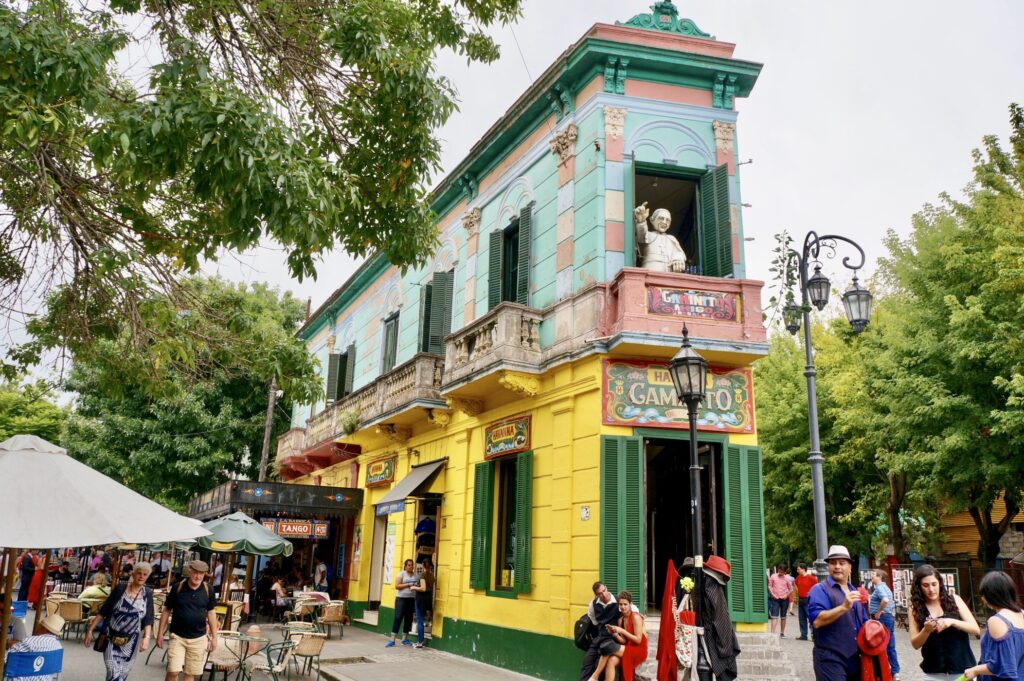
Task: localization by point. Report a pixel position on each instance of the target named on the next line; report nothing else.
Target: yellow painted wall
(566, 433)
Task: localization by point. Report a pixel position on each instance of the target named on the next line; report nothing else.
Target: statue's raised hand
(640, 213)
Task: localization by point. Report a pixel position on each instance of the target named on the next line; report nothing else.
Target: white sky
(863, 112)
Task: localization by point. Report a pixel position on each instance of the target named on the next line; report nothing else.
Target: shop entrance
(380, 528)
(667, 496)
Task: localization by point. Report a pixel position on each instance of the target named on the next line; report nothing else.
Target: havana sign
(640, 393)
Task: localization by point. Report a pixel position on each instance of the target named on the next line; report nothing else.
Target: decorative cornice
(614, 119)
(564, 143)
(471, 221)
(725, 135)
(466, 406)
(664, 16)
(524, 384)
(439, 417)
(393, 433)
(723, 91)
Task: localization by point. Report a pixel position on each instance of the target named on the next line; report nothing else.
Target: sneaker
(781, 635)
(406, 642)
(389, 644)
(804, 638)
(895, 677)
(417, 645)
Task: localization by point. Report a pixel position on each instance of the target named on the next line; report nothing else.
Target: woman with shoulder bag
(128, 613)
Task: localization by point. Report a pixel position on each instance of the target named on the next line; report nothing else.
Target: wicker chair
(302, 609)
(331, 614)
(73, 612)
(309, 645)
(224, 659)
(279, 655)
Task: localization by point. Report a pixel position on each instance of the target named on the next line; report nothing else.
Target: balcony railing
(508, 335)
(291, 443)
(416, 381)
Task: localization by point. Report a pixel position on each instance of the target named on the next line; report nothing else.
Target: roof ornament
(664, 16)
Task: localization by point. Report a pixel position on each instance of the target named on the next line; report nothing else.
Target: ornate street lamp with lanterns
(815, 290)
(689, 373)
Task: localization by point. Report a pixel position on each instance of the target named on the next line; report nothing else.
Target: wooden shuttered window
(333, 366)
(523, 278)
(715, 223)
(744, 534)
(524, 518)
(482, 532)
(436, 311)
(426, 297)
(494, 273)
(518, 290)
(622, 515)
(483, 495)
(390, 349)
(340, 374)
(349, 373)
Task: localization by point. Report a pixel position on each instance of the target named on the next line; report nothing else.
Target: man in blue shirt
(836, 613)
(882, 607)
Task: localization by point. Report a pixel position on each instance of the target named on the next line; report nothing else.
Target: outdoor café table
(238, 648)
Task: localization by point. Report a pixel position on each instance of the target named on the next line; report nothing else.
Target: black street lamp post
(814, 290)
(689, 373)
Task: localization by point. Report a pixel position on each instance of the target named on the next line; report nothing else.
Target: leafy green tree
(308, 123)
(175, 439)
(25, 410)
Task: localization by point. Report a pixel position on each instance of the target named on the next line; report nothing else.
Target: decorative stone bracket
(439, 417)
(471, 221)
(614, 120)
(561, 101)
(615, 75)
(725, 135)
(564, 143)
(523, 384)
(723, 92)
(466, 406)
(393, 433)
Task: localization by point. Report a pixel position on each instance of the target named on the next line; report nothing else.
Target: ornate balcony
(415, 383)
(508, 336)
(291, 443)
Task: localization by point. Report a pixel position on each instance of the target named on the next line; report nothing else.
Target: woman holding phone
(941, 625)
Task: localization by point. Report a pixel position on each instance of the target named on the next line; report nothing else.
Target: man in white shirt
(218, 574)
(320, 576)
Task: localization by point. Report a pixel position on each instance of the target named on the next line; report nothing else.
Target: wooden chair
(279, 655)
(331, 614)
(302, 610)
(309, 645)
(73, 612)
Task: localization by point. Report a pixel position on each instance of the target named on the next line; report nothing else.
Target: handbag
(685, 633)
(99, 644)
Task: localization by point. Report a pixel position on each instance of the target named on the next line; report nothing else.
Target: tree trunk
(897, 494)
(990, 533)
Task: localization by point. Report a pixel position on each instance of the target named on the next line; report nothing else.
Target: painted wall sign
(381, 472)
(391, 507)
(298, 528)
(711, 305)
(640, 393)
(507, 437)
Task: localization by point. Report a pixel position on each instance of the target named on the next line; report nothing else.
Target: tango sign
(297, 529)
(641, 393)
(710, 305)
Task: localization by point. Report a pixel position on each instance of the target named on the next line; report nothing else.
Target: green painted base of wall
(546, 657)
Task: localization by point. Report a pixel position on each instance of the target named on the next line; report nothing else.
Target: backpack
(583, 632)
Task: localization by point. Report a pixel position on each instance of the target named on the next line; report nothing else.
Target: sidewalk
(361, 656)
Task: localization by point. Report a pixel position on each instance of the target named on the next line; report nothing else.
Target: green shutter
(715, 223)
(523, 279)
(744, 534)
(350, 369)
(622, 515)
(440, 311)
(755, 516)
(390, 343)
(332, 377)
(494, 274)
(524, 516)
(425, 304)
(480, 552)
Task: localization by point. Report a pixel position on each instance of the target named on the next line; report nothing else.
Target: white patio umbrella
(53, 501)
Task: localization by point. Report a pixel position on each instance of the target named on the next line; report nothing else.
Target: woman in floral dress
(129, 616)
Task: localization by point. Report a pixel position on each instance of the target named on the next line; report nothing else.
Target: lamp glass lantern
(791, 315)
(818, 288)
(689, 372)
(857, 302)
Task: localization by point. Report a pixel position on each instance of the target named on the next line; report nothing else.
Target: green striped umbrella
(238, 533)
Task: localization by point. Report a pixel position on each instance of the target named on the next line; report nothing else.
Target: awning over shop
(409, 486)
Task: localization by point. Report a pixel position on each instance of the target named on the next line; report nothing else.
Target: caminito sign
(709, 305)
(640, 393)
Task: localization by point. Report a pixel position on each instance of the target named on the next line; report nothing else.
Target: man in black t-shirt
(192, 601)
(603, 610)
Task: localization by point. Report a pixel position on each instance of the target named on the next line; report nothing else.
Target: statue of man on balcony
(659, 251)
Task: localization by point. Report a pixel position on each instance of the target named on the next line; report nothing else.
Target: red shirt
(804, 584)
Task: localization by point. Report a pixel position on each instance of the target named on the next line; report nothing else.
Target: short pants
(777, 608)
(186, 655)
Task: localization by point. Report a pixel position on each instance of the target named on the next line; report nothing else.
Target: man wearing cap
(192, 601)
(836, 612)
(52, 624)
